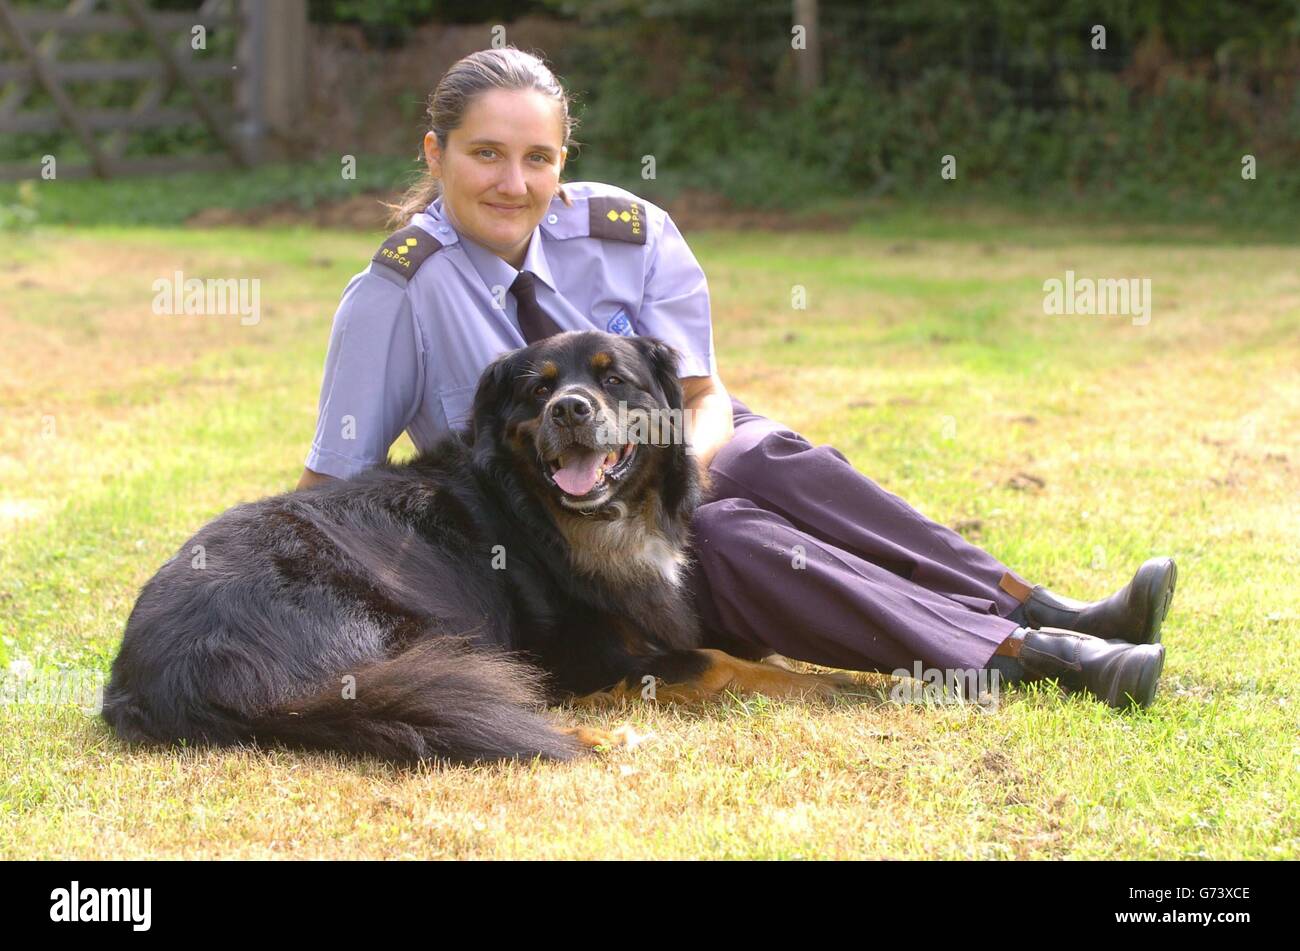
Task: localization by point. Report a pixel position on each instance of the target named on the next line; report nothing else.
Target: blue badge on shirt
(620, 323)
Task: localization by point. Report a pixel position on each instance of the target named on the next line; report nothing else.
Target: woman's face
(501, 168)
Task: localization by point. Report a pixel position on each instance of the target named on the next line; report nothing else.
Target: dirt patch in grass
(366, 212)
(696, 210)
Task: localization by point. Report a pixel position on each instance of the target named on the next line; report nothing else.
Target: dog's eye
(542, 390)
(612, 380)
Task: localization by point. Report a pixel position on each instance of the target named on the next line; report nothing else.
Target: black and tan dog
(427, 609)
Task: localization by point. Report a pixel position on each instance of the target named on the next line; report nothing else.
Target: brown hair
(505, 68)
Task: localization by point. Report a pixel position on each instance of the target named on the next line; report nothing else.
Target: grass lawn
(1072, 447)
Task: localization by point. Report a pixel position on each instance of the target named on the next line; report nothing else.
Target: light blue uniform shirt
(406, 354)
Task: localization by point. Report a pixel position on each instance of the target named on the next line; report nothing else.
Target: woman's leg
(763, 585)
(799, 553)
(819, 492)
(762, 581)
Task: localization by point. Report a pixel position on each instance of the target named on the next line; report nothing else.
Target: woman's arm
(373, 380)
(708, 418)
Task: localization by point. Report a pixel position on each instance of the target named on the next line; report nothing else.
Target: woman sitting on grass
(799, 554)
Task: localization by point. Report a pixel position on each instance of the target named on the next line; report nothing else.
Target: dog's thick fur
(428, 609)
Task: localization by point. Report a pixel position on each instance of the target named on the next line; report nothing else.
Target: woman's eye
(487, 152)
(613, 380)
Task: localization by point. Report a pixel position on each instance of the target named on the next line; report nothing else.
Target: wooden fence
(264, 84)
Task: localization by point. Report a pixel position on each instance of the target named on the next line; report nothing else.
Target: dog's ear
(682, 490)
(663, 361)
(494, 388)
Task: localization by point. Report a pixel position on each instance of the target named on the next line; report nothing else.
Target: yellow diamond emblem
(613, 215)
(625, 216)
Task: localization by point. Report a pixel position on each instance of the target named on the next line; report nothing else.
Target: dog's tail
(439, 698)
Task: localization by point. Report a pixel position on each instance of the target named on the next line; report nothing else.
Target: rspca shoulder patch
(406, 250)
(617, 219)
(620, 323)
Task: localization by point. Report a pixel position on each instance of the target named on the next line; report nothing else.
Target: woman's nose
(512, 180)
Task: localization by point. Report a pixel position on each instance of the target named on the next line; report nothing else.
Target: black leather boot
(1116, 672)
(1134, 613)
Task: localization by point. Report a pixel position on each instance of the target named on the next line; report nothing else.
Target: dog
(429, 609)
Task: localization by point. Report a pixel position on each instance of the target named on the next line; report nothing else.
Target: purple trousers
(800, 554)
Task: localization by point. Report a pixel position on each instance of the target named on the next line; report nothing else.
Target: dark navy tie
(533, 321)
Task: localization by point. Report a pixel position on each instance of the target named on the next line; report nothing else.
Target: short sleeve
(675, 307)
(373, 379)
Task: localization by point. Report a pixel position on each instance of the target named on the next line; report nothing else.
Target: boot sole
(1146, 687)
(1159, 594)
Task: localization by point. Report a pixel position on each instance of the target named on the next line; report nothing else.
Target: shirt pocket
(457, 403)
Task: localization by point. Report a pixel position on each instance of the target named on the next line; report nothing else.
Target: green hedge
(1160, 119)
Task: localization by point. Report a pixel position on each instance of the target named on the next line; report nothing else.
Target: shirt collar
(492, 269)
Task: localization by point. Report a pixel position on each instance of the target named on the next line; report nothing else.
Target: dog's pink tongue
(577, 472)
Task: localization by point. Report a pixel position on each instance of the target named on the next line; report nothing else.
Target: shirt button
(552, 219)
(443, 229)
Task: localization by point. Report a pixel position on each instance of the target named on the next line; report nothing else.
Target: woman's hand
(709, 425)
(310, 478)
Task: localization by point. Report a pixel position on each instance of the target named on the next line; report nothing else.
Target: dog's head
(591, 422)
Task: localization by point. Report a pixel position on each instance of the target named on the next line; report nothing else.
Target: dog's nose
(570, 411)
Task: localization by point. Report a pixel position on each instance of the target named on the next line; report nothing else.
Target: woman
(799, 554)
